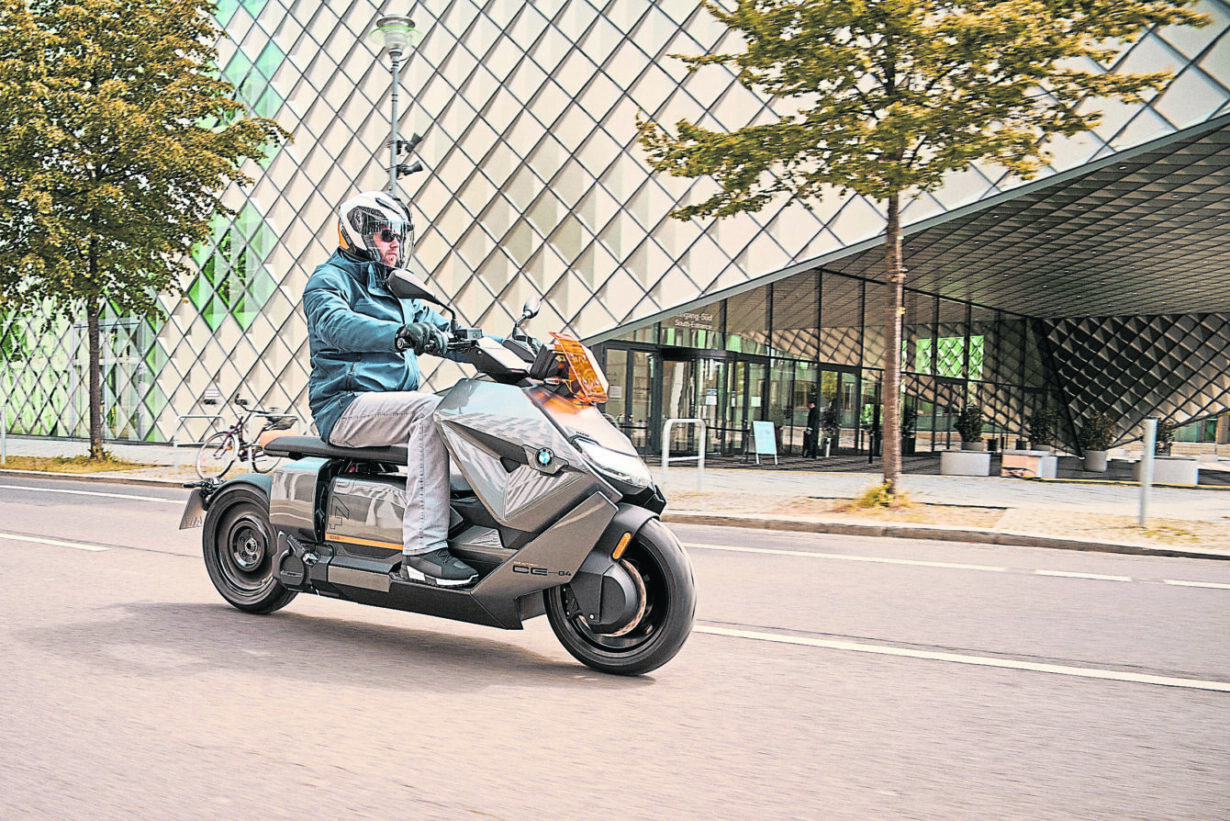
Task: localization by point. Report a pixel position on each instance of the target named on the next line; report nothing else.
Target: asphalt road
(828, 678)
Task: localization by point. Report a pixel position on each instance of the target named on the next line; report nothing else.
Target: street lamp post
(395, 33)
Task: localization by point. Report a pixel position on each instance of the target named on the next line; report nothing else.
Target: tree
(117, 140)
(889, 96)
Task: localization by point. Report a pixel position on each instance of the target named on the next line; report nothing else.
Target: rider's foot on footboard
(438, 568)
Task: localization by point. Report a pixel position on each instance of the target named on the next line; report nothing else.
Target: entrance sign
(764, 440)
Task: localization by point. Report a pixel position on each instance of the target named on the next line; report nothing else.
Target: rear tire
(240, 550)
(262, 462)
(665, 624)
(216, 456)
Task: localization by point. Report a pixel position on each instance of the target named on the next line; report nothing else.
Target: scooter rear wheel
(240, 548)
(663, 624)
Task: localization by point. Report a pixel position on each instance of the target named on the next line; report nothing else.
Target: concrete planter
(1172, 470)
(1095, 461)
(975, 446)
(1027, 464)
(965, 463)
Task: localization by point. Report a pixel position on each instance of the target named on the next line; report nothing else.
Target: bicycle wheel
(216, 456)
(262, 462)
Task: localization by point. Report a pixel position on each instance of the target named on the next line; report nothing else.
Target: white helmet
(373, 212)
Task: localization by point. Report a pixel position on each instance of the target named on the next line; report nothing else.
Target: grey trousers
(404, 417)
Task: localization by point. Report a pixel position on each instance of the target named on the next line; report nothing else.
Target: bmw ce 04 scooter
(550, 504)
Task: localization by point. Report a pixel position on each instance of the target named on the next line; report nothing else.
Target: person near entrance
(811, 436)
(363, 387)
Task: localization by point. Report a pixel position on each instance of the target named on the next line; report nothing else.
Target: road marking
(848, 558)
(1066, 574)
(980, 661)
(55, 542)
(93, 493)
(1210, 585)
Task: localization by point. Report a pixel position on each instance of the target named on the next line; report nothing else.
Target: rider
(363, 389)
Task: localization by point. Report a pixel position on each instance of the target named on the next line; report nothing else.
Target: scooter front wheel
(663, 622)
(240, 548)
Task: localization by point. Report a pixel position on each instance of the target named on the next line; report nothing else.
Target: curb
(114, 479)
(937, 532)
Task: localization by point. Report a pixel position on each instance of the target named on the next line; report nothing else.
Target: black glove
(422, 338)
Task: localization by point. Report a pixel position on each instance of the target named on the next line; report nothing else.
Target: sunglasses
(388, 236)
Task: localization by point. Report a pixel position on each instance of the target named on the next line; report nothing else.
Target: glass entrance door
(748, 386)
(632, 395)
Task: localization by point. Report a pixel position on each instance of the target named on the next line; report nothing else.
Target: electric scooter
(550, 503)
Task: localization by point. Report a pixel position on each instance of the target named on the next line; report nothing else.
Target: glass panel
(640, 401)
(950, 347)
(875, 324)
(696, 328)
(712, 375)
(747, 322)
(870, 419)
(781, 405)
(841, 311)
(796, 317)
(616, 369)
(679, 402)
(918, 333)
(847, 405)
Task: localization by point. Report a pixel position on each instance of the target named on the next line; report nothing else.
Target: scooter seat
(297, 447)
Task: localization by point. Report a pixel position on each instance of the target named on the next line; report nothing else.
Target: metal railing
(179, 423)
(699, 458)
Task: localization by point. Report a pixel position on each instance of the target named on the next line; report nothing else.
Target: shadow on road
(174, 640)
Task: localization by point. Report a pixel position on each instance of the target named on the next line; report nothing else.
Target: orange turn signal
(587, 382)
(621, 547)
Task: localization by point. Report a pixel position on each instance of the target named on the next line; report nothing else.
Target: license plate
(194, 513)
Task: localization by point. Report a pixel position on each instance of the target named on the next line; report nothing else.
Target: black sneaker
(439, 568)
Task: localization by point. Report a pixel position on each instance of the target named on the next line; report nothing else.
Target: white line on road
(848, 558)
(980, 661)
(93, 493)
(1210, 585)
(949, 565)
(1067, 574)
(55, 542)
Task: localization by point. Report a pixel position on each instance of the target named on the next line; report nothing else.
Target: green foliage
(881, 495)
(969, 423)
(109, 177)
(1098, 432)
(1043, 426)
(888, 96)
(117, 139)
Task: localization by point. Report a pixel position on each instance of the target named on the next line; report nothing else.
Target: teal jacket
(352, 324)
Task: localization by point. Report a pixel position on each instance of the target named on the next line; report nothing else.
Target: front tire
(240, 549)
(664, 624)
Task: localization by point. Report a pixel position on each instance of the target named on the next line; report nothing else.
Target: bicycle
(220, 452)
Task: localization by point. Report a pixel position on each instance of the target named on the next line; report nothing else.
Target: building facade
(536, 187)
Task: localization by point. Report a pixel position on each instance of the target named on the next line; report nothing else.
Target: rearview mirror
(530, 310)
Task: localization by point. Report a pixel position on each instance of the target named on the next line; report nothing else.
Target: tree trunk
(93, 310)
(895, 282)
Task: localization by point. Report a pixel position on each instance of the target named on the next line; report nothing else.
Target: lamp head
(395, 33)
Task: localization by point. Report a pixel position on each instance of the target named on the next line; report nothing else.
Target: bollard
(1146, 467)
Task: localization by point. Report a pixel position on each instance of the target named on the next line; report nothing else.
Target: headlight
(621, 466)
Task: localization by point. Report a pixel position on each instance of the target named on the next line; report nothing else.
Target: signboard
(764, 440)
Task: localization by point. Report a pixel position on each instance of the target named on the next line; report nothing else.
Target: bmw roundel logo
(545, 457)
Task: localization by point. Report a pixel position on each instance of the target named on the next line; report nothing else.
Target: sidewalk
(1082, 515)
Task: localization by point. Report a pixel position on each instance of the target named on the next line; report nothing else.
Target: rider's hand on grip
(422, 338)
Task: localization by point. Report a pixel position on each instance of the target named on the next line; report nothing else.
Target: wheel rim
(652, 617)
(245, 555)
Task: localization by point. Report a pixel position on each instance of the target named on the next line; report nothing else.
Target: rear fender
(204, 493)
